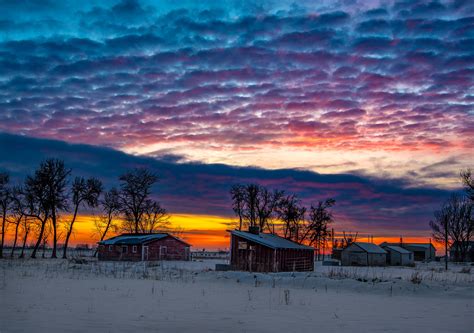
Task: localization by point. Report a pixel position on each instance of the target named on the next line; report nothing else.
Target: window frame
(134, 249)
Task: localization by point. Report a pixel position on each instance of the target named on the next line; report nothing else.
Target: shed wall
(167, 248)
(247, 255)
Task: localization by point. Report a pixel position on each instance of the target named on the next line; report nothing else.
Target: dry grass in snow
(64, 296)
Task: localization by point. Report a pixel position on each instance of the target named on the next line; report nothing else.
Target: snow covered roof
(270, 240)
(370, 247)
(133, 239)
(397, 249)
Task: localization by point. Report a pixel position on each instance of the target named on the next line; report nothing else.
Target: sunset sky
(369, 102)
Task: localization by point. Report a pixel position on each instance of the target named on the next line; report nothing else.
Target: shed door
(145, 252)
(163, 252)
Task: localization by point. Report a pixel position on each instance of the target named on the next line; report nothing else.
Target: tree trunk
(44, 249)
(109, 221)
(53, 218)
(4, 221)
(446, 245)
(69, 232)
(16, 237)
(40, 238)
(22, 254)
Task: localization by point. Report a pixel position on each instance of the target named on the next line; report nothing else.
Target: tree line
(276, 212)
(453, 223)
(46, 206)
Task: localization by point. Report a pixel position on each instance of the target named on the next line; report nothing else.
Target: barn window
(163, 250)
(134, 249)
(242, 245)
(124, 249)
(111, 248)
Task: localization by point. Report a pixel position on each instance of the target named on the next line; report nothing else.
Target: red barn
(144, 247)
(261, 252)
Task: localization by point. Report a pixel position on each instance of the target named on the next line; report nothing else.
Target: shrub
(416, 278)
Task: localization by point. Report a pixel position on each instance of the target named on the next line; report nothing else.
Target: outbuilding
(256, 251)
(144, 247)
(363, 254)
(421, 251)
(398, 256)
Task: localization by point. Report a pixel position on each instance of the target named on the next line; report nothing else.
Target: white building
(398, 256)
(363, 254)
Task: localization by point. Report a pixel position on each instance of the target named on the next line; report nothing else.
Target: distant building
(144, 247)
(256, 251)
(398, 256)
(363, 254)
(469, 255)
(421, 251)
(210, 254)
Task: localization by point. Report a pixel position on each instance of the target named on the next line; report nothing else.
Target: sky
(371, 102)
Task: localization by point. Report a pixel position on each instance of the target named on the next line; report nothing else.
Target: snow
(47, 295)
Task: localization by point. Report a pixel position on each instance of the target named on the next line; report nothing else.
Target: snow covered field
(47, 295)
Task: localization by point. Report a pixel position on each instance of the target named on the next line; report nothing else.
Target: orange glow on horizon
(201, 231)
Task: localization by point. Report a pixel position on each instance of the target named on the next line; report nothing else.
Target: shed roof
(270, 240)
(134, 239)
(397, 249)
(370, 247)
(419, 245)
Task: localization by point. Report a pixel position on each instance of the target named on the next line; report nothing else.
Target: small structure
(398, 256)
(363, 254)
(256, 251)
(421, 251)
(144, 247)
(210, 254)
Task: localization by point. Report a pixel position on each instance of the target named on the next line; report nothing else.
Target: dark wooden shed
(262, 252)
(144, 247)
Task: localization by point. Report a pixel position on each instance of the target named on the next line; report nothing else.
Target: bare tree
(54, 175)
(135, 191)
(17, 213)
(5, 202)
(154, 218)
(38, 205)
(348, 239)
(26, 230)
(250, 197)
(317, 232)
(292, 213)
(255, 205)
(84, 193)
(110, 209)
(453, 225)
(237, 193)
(266, 205)
(468, 182)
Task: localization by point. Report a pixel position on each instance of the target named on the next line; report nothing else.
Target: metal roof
(270, 240)
(422, 245)
(130, 239)
(370, 247)
(419, 245)
(397, 249)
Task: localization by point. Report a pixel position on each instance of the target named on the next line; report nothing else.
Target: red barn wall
(175, 250)
(259, 258)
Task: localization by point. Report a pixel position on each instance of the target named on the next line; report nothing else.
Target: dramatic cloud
(371, 86)
(390, 207)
